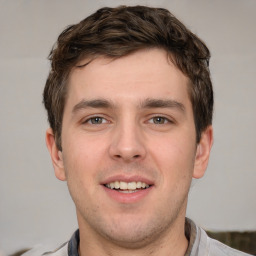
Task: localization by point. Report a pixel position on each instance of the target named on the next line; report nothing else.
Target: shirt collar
(73, 244)
(190, 233)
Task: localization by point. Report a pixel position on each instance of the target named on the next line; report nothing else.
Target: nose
(127, 143)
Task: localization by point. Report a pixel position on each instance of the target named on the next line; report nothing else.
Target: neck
(173, 242)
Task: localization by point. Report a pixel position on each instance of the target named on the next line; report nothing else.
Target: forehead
(145, 73)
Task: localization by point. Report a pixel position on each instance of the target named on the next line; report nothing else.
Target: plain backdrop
(34, 206)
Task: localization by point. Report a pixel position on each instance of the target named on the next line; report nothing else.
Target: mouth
(127, 187)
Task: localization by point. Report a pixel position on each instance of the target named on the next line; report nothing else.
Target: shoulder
(218, 248)
(212, 247)
(68, 248)
(41, 250)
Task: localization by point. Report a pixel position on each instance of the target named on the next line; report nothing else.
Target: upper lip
(127, 179)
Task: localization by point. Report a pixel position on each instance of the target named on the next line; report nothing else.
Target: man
(129, 101)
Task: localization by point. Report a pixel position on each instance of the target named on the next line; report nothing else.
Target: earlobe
(203, 153)
(56, 155)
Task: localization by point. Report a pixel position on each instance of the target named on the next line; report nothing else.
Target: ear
(56, 155)
(203, 153)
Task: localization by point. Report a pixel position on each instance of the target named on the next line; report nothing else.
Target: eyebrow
(96, 103)
(147, 103)
(162, 103)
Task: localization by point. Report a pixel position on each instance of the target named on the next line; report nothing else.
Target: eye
(96, 120)
(159, 120)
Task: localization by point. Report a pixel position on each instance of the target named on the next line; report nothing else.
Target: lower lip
(127, 197)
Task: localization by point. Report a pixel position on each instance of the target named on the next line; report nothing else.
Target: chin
(134, 234)
(130, 239)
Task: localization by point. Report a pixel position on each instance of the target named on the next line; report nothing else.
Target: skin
(130, 118)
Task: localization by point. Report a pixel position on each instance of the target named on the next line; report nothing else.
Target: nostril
(132, 157)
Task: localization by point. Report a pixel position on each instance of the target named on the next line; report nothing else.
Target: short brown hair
(117, 32)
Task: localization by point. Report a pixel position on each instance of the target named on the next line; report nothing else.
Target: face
(129, 147)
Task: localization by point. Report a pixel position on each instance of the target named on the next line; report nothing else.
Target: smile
(127, 187)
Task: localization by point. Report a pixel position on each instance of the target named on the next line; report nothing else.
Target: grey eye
(159, 120)
(96, 120)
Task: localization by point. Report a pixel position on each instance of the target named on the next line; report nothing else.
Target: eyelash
(90, 120)
(165, 119)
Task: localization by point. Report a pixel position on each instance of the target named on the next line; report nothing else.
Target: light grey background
(34, 206)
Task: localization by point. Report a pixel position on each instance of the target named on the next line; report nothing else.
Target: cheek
(80, 172)
(174, 157)
(79, 162)
(82, 151)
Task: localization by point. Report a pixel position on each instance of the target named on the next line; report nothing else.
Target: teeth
(132, 185)
(117, 185)
(127, 185)
(123, 185)
(127, 191)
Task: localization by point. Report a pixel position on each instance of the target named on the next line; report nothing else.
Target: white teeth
(123, 185)
(117, 185)
(127, 191)
(132, 186)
